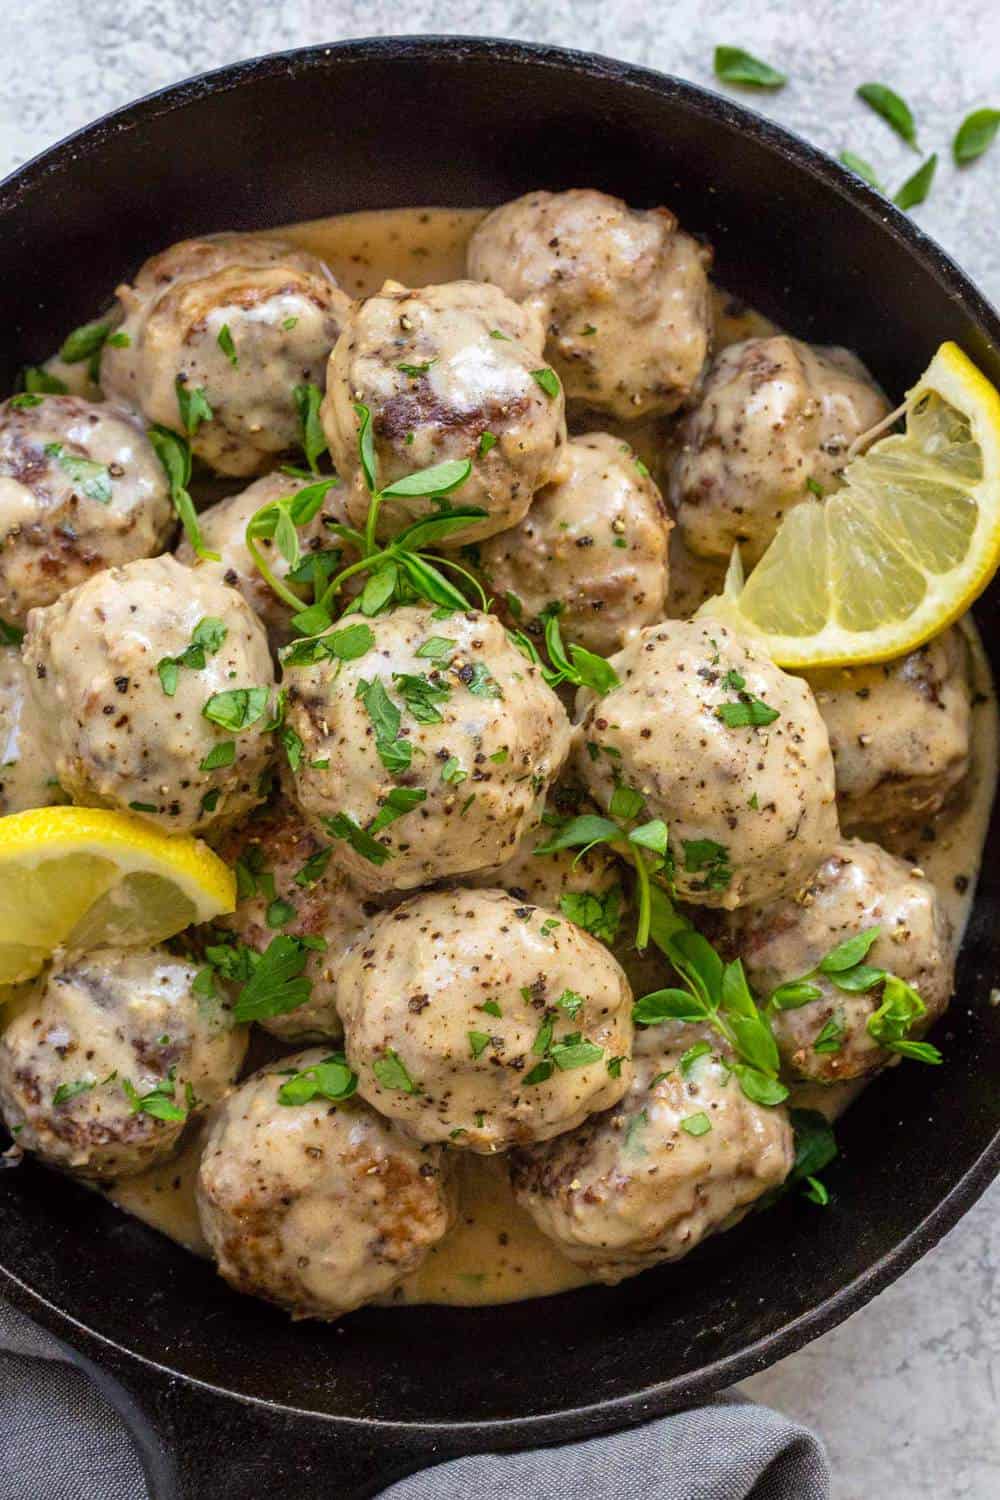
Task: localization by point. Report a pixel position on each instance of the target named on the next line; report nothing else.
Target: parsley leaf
(330, 1079)
(193, 405)
(277, 984)
(391, 1072)
(308, 399)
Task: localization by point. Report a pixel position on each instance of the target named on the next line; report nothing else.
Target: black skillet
(246, 1402)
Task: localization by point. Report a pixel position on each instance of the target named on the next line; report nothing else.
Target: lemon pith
(901, 550)
(80, 877)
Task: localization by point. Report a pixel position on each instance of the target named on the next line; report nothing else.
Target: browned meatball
(776, 416)
(132, 721)
(450, 372)
(709, 736)
(428, 755)
(473, 1019)
(859, 887)
(900, 734)
(594, 542)
(622, 293)
(241, 319)
(106, 1058)
(80, 490)
(317, 1205)
(683, 1155)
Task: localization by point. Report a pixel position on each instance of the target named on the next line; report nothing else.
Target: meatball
(683, 1155)
(154, 683)
(27, 773)
(595, 542)
(317, 1206)
(775, 420)
(429, 754)
(287, 884)
(900, 734)
(223, 529)
(233, 324)
(730, 752)
(472, 1019)
(858, 887)
(622, 293)
(107, 1057)
(80, 490)
(443, 370)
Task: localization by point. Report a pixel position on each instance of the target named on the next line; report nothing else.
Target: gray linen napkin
(61, 1440)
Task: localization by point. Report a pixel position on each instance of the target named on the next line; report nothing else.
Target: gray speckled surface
(905, 1393)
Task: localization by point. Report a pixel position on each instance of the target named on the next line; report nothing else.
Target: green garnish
(330, 1079)
(93, 479)
(225, 343)
(916, 188)
(391, 1072)
(894, 110)
(308, 399)
(193, 406)
(175, 456)
(84, 342)
(975, 135)
(548, 380)
(206, 638)
(277, 983)
(697, 1124)
(733, 65)
(236, 709)
(862, 169)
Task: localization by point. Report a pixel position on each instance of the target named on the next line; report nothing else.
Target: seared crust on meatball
(223, 529)
(27, 769)
(118, 738)
(776, 416)
(728, 750)
(320, 1206)
(472, 1019)
(81, 489)
(478, 738)
(90, 1043)
(286, 883)
(900, 734)
(622, 294)
(442, 370)
(240, 318)
(594, 542)
(683, 1155)
(857, 888)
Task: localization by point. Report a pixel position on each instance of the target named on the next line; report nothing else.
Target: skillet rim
(910, 241)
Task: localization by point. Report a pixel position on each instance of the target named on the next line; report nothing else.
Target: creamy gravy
(495, 1253)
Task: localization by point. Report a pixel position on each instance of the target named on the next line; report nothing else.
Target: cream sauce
(495, 1253)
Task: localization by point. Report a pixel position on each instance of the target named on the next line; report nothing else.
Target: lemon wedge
(896, 554)
(80, 877)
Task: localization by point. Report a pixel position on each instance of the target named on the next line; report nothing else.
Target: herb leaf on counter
(733, 65)
(975, 135)
(916, 188)
(893, 109)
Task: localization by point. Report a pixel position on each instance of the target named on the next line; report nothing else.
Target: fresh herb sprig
(716, 994)
(174, 453)
(571, 664)
(846, 968)
(645, 843)
(279, 521)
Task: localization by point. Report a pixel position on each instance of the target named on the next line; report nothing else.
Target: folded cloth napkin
(60, 1440)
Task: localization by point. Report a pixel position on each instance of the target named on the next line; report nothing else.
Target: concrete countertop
(905, 1392)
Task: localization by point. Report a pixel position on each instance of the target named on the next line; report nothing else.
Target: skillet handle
(194, 1442)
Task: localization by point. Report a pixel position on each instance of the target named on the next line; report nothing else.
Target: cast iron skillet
(246, 1399)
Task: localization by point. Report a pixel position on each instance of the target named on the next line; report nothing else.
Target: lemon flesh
(82, 878)
(900, 551)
